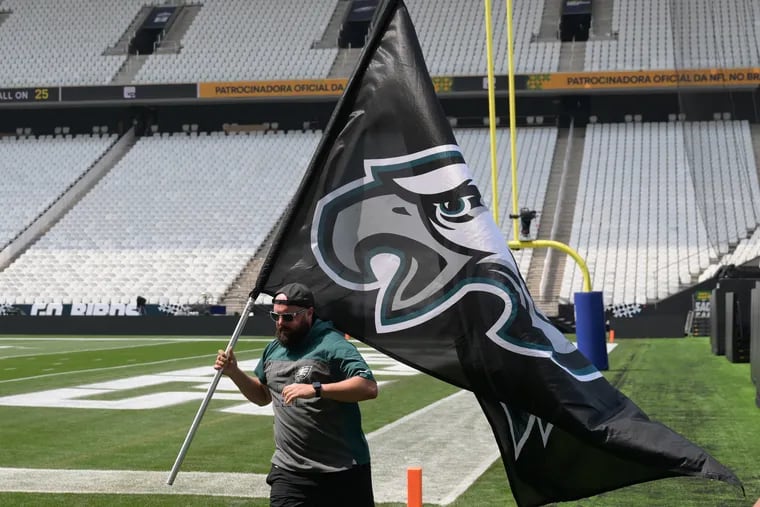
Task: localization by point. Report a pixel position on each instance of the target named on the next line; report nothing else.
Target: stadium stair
(546, 302)
(601, 21)
(755, 133)
(572, 56)
(345, 61)
(122, 45)
(170, 44)
(332, 32)
(4, 15)
(129, 69)
(68, 199)
(172, 41)
(554, 267)
(550, 20)
(237, 293)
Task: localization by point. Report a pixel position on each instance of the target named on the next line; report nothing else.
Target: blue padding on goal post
(589, 328)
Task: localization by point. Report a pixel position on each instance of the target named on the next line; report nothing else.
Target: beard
(294, 336)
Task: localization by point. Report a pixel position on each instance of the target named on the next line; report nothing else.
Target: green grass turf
(676, 381)
(68, 499)
(704, 397)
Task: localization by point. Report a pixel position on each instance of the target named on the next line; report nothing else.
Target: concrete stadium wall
(666, 319)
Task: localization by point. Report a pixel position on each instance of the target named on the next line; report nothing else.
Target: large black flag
(389, 230)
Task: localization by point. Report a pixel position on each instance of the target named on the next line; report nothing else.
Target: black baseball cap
(295, 294)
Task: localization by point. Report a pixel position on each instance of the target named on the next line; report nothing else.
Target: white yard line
(450, 440)
(444, 438)
(133, 346)
(106, 368)
(33, 480)
(124, 339)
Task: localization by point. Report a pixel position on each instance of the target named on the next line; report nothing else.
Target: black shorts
(348, 488)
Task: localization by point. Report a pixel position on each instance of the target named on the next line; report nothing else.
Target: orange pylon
(414, 487)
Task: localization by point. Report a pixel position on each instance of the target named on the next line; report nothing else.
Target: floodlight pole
(209, 394)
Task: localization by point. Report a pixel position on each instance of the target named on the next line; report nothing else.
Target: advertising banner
(128, 92)
(38, 94)
(293, 88)
(109, 309)
(159, 17)
(572, 7)
(644, 79)
(259, 89)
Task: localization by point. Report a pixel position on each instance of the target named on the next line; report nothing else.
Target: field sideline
(99, 421)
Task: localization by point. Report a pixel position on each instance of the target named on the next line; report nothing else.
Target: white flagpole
(209, 394)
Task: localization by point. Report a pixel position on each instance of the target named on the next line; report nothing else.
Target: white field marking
(128, 339)
(36, 480)
(369, 354)
(416, 439)
(105, 368)
(425, 437)
(162, 341)
(199, 378)
(610, 346)
(134, 346)
(445, 438)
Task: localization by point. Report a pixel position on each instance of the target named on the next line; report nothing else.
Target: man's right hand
(225, 362)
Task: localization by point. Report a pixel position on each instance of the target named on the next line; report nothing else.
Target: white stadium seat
(659, 202)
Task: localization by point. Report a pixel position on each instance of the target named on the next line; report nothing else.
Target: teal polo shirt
(318, 434)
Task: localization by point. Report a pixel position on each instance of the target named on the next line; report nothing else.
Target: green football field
(99, 421)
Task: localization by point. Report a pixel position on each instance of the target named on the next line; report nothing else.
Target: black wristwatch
(317, 389)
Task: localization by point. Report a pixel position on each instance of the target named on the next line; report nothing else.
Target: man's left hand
(294, 391)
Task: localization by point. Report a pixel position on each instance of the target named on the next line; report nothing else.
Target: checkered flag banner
(173, 309)
(625, 311)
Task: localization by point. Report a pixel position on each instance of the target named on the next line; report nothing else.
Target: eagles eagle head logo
(415, 230)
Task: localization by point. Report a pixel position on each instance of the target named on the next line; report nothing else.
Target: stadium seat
(36, 172)
(64, 45)
(660, 34)
(653, 189)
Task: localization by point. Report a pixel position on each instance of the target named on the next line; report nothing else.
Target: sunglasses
(287, 317)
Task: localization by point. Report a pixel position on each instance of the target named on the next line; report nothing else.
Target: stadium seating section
(226, 43)
(177, 217)
(659, 205)
(36, 171)
(683, 34)
(64, 44)
(452, 34)
(180, 215)
(233, 40)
